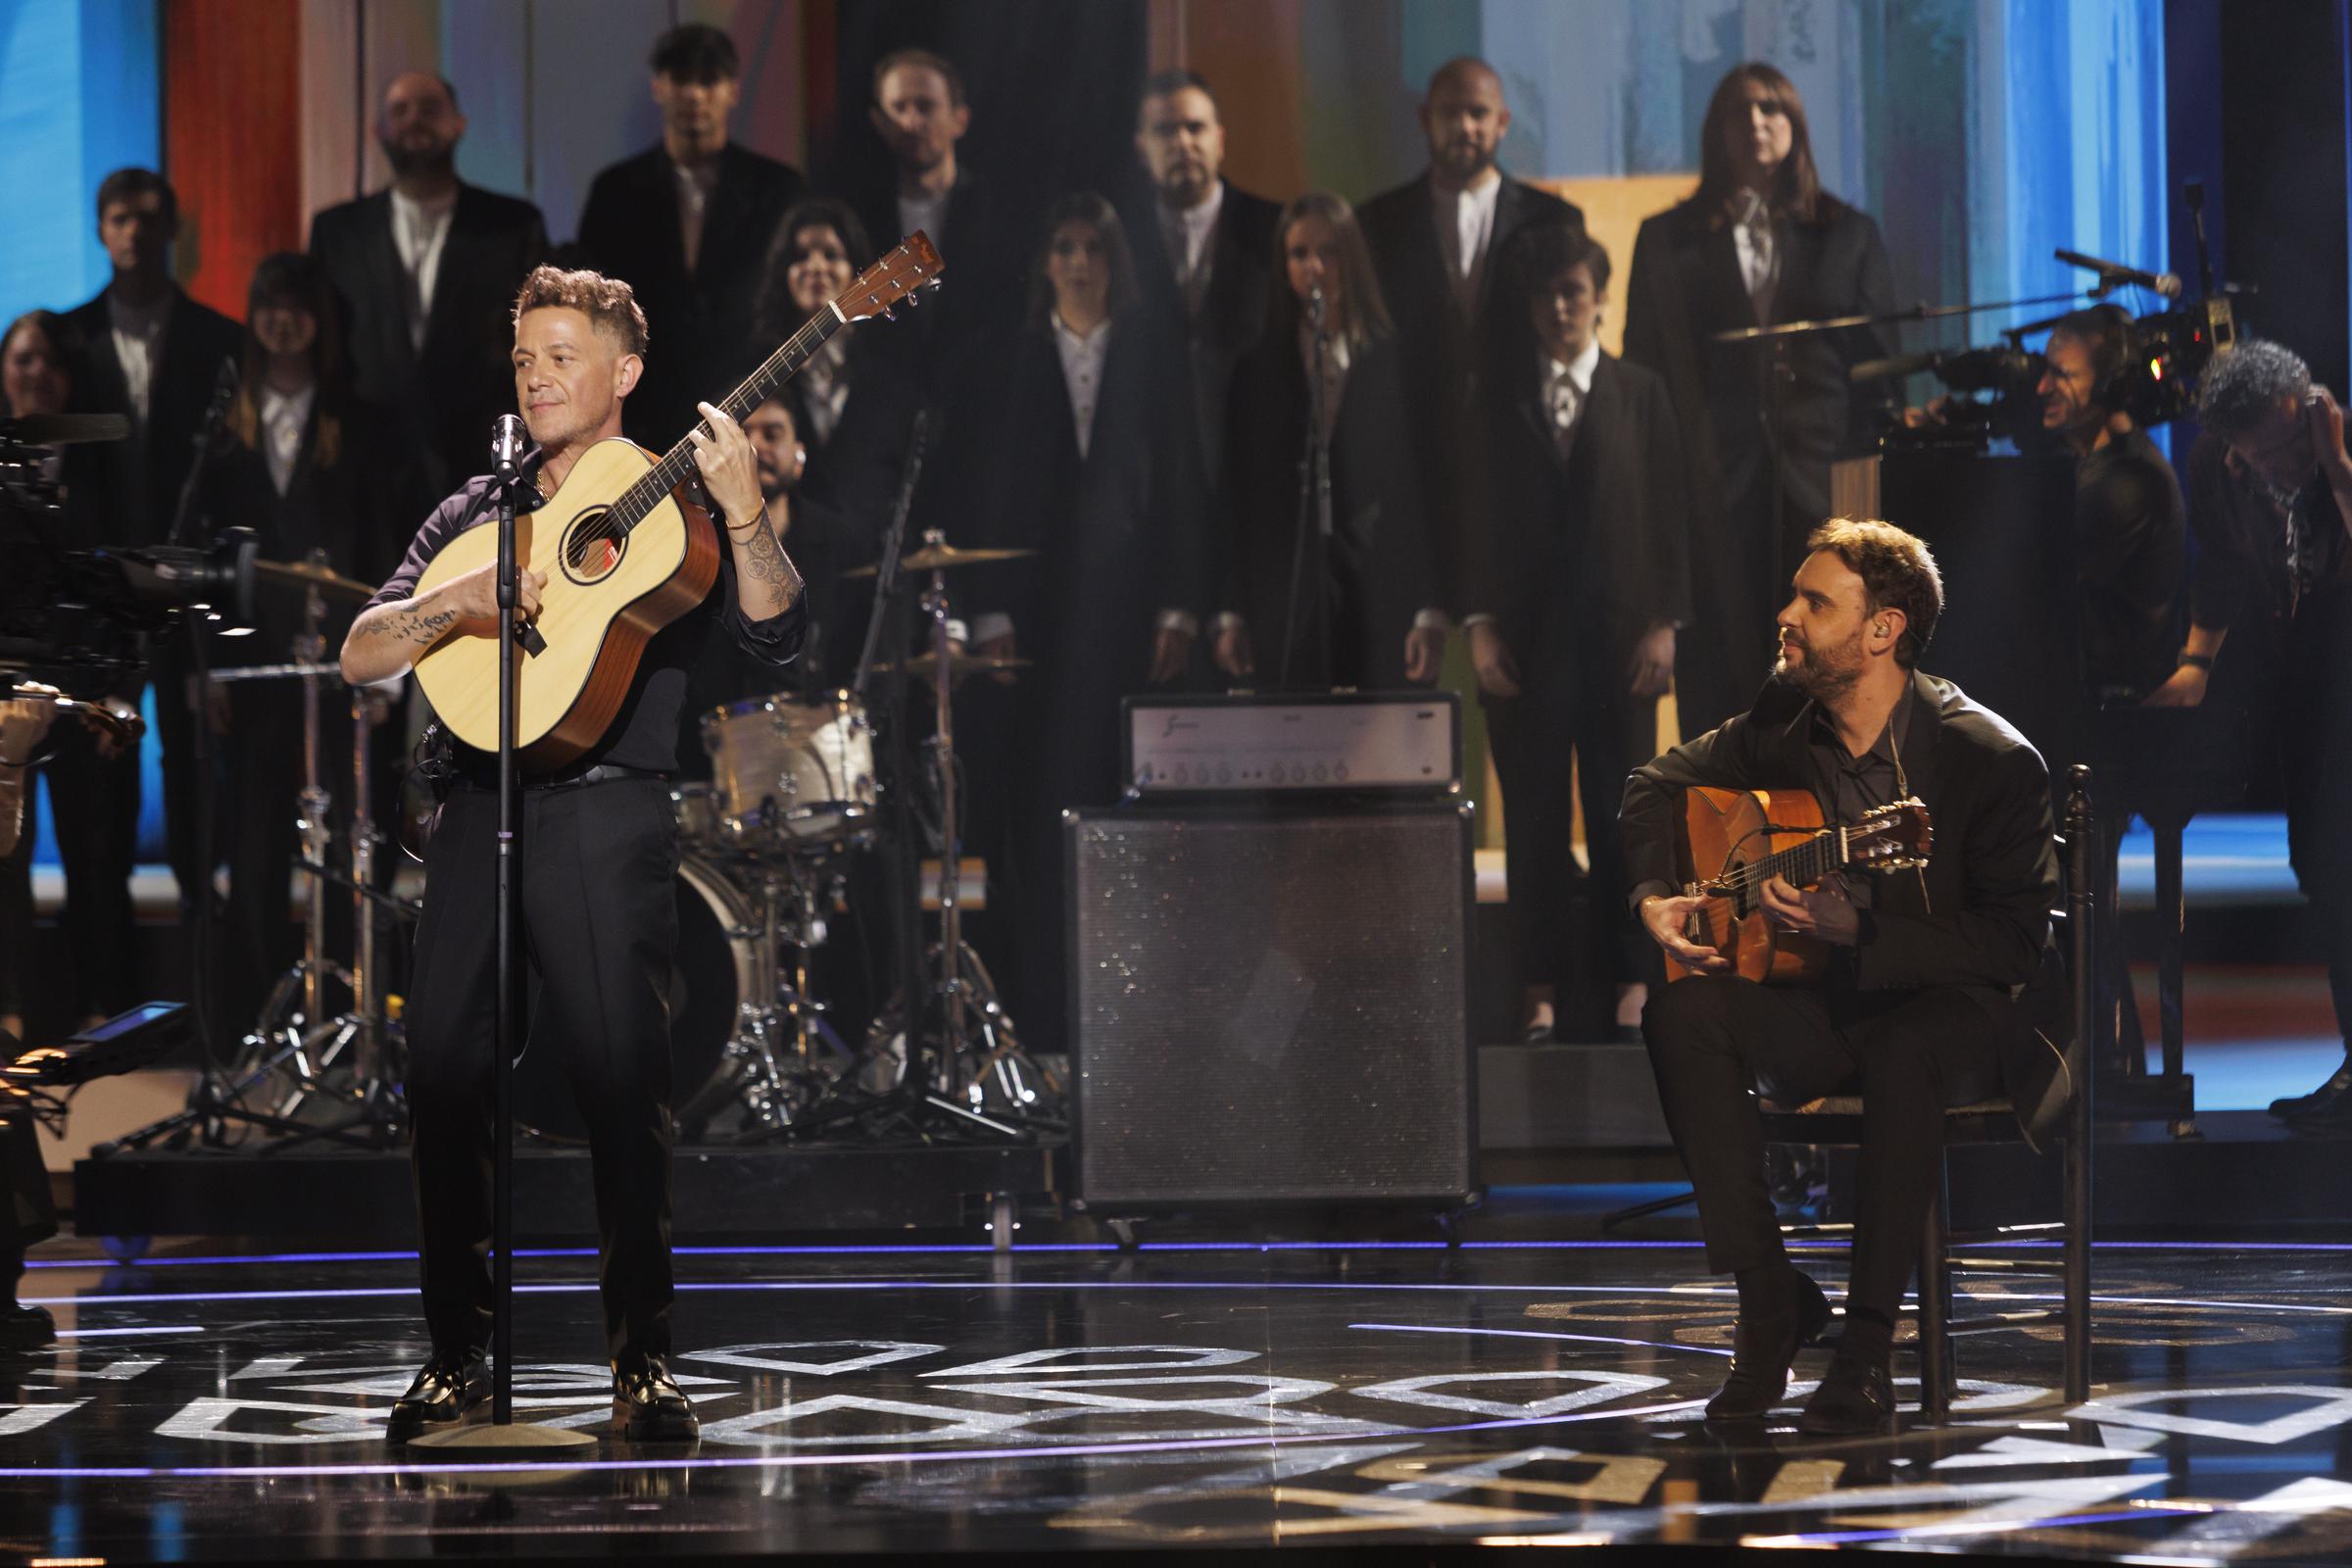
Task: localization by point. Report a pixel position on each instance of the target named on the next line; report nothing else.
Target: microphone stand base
(493, 1444)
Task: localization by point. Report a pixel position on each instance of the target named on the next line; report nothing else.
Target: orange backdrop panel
(232, 139)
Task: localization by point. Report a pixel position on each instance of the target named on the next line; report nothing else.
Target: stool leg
(1935, 1375)
(2077, 1266)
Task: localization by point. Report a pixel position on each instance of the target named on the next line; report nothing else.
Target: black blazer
(1616, 500)
(1380, 555)
(1232, 307)
(153, 464)
(1976, 917)
(982, 251)
(1440, 349)
(698, 321)
(1685, 285)
(445, 395)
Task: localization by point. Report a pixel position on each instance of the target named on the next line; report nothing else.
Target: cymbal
(937, 557)
(307, 574)
(923, 667)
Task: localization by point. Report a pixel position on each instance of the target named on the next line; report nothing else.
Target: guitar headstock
(897, 278)
(1894, 837)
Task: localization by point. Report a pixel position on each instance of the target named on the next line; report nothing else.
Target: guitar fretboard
(677, 463)
(1803, 865)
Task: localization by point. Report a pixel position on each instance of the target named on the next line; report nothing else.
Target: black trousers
(1572, 706)
(1909, 1054)
(94, 807)
(600, 929)
(2315, 730)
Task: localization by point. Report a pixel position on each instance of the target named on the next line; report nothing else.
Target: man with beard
(425, 271)
(1944, 987)
(688, 224)
(1433, 240)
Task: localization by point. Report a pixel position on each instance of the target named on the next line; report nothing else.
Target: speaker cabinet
(1272, 1006)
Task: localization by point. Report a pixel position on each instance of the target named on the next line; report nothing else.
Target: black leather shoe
(1855, 1399)
(452, 1387)
(649, 1406)
(25, 1327)
(2335, 1097)
(1762, 1346)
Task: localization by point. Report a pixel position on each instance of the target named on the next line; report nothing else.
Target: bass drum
(716, 969)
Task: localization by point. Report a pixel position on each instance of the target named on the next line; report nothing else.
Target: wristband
(2203, 661)
(757, 517)
(18, 766)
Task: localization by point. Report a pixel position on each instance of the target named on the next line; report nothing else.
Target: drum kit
(772, 849)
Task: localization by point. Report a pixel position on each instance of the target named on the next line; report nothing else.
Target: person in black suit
(688, 225)
(1579, 569)
(317, 475)
(1360, 608)
(157, 356)
(1433, 242)
(425, 272)
(1088, 472)
(1759, 243)
(1943, 987)
(1202, 253)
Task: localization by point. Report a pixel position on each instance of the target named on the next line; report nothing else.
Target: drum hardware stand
(773, 1064)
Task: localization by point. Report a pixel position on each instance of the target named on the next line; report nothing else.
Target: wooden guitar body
(1724, 831)
(608, 592)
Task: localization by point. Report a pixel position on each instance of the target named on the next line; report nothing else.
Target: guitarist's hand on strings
(473, 595)
(730, 467)
(1824, 914)
(1666, 919)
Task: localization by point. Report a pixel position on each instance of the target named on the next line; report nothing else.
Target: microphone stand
(503, 1437)
(1314, 503)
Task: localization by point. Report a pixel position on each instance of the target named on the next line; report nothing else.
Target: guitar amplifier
(1294, 745)
(1272, 1005)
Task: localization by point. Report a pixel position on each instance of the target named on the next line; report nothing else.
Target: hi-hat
(924, 667)
(939, 557)
(308, 574)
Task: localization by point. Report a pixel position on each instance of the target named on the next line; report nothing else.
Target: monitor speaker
(1272, 1008)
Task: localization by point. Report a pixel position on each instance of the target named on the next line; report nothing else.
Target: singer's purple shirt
(645, 733)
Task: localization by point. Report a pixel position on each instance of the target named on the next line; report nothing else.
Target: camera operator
(29, 1216)
(2274, 579)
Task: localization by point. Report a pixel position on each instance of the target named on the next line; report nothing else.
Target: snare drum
(697, 809)
(791, 773)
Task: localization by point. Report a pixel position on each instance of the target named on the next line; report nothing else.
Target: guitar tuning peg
(888, 314)
(913, 300)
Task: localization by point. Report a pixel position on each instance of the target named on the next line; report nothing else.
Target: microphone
(507, 438)
(2112, 273)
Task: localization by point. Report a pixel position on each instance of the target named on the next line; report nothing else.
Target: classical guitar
(626, 550)
(1735, 841)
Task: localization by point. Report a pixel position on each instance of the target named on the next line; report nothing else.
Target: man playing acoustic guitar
(1941, 988)
(598, 907)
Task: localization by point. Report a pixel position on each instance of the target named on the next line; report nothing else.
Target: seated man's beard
(1825, 673)
(417, 161)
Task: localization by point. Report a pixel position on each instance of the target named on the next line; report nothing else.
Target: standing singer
(600, 853)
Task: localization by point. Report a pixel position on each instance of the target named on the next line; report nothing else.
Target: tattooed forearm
(424, 628)
(767, 583)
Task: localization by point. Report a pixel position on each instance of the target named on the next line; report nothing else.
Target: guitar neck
(676, 465)
(1801, 865)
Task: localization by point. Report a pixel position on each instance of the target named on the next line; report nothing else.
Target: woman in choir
(1759, 244)
(1358, 608)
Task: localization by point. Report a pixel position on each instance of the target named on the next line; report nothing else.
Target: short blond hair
(1898, 571)
(608, 302)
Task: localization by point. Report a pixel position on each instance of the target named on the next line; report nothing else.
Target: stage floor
(938, 1400)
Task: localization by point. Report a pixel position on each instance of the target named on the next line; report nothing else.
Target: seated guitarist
(1939, 976)
(598, 909)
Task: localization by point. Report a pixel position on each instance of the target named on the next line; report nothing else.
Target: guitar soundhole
(592, 548)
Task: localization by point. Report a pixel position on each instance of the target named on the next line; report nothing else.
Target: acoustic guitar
(626, 550)
(1735, 841)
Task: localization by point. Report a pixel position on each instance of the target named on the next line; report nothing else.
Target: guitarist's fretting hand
(1666, 919)
(1823, 914)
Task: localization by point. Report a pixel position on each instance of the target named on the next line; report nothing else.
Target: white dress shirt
(1187, 233)
(826, 381)
(420, 229)
(1759, 257)
(696, 182)
(1465, 223)
(285, 421)
(926, 212)
(138, 334)
(1566, 389)
(1335, 360)
(1082, 355)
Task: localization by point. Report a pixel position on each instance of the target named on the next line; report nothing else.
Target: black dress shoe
(1855, 1399)
(649, 1406)
(25, 1327)
(2335, 1097)
(1763, 1345)
(452, 1387)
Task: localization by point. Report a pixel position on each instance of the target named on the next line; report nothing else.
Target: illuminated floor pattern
(945, 1400)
